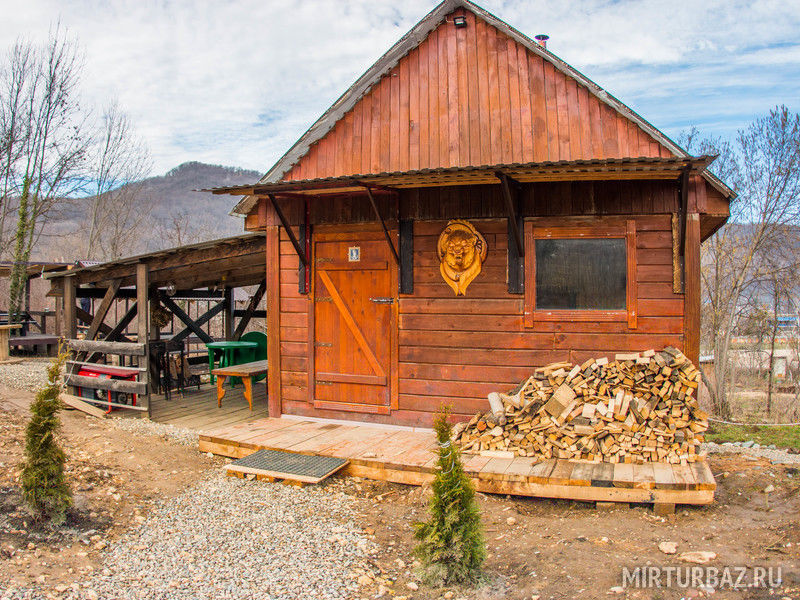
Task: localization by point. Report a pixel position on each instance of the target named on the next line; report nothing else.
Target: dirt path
(115, 476)
(537, 548)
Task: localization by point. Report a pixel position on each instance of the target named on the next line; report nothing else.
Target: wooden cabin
(471, 208)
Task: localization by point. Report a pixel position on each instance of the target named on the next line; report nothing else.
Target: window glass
(575, 274)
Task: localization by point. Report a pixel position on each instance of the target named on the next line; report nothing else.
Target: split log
(639, 407)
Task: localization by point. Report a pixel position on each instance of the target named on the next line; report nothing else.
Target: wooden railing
(89, 353)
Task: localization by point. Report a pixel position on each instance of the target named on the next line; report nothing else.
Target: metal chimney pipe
(541, 39)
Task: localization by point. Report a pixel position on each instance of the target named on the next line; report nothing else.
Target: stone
(412, 586)
(668, 547)
(511, 521)
(770, 488)
(699, 557)
(617, 589)
(364, 580)
(748, 444)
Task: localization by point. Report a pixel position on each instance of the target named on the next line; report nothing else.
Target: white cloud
(236, 82)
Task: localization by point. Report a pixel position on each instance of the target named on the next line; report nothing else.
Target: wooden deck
(403, 455)
(197, 409)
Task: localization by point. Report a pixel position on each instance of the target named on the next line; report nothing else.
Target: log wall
(457, 349)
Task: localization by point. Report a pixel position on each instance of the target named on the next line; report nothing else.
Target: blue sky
(236, 82)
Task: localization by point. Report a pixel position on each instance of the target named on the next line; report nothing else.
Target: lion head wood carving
(461, 251)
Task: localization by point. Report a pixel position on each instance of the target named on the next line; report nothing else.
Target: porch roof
(645, 168)
(227, 262)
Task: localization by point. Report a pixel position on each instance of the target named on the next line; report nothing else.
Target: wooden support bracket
(516, 244)
(186, 319)
(199, 322)
(285, 222)
(255, 299)
(383, 224)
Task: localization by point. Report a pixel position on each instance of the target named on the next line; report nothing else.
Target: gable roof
(330, 138)
(413, 39)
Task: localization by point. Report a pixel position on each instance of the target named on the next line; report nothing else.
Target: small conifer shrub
(44, 486)
(451, 548)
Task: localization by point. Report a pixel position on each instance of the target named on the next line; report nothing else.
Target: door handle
(382, 300)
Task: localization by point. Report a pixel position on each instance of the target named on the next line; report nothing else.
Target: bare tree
(45, 144)
(764, 166)
(117, 212)
(184, 228)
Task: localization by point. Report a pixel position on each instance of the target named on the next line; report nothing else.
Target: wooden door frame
(371, 232)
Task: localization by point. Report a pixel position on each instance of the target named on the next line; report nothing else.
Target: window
(581, 273)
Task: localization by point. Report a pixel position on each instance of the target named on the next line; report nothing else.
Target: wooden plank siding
(457, 349)
(472, 96)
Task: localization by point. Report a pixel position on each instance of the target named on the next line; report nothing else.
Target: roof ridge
(411, 40)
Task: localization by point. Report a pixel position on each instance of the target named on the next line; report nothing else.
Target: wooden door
(355, 308)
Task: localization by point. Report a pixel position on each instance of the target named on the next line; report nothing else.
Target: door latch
(382, 300)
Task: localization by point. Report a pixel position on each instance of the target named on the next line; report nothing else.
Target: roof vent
(541, 39)
(460, 21)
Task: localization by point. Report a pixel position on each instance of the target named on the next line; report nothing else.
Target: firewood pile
(637, 408)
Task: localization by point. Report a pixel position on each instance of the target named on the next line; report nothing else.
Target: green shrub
(451, 548)
(44, 486)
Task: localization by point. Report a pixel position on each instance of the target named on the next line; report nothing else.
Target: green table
(231, 353)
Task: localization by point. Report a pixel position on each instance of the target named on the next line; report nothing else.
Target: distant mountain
(172, 193)
(178, 214)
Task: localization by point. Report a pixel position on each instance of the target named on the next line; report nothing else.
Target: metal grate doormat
(288, 465)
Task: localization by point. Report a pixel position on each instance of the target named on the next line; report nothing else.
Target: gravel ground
(178, 435)
(774, 455)
(229, 538)
(28, 375)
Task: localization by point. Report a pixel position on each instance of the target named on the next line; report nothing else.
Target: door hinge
(382, 300)
(323, 344)
(323, 299)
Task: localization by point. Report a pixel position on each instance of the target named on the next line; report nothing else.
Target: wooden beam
(383, 224)
(186, 319)
(691, 281)
(227, 314)
(273, 292)
(86, 317)
(143, 324)
(70, 317)
(122, 348)
(115, 332)
(102, 310)
(516, 241)
(82, 405)
(199, 322)
(114, 385)
(255, 300)
(684, 209)
(304, 275)
(406, 256)
(300, 252)
(505, 183)
(130, 293)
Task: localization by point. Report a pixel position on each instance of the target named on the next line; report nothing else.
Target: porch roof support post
(143, 324)
(383, 224)
(70, 323)
(682, 222)
(300, 252)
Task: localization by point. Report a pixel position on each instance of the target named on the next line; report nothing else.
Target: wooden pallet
(405, 456)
